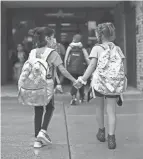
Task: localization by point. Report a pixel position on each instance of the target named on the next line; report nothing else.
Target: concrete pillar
(10, 43)
(119, 21)
(4, 51)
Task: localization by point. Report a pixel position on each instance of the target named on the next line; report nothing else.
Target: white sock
(44, 131)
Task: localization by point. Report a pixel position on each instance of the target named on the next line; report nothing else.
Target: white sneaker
(44, 137)
(38, 144)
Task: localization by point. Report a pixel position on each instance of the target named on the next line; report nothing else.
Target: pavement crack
(67, 132)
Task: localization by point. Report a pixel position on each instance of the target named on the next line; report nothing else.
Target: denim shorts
(97, 94)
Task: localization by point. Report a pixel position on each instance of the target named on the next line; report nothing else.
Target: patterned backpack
(36, 85)
(109, 77)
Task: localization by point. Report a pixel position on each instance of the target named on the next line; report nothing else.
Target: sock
(44, 131)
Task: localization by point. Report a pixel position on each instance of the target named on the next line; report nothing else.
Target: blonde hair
(107, 30)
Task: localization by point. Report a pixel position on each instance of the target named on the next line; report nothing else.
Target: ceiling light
(65, 24)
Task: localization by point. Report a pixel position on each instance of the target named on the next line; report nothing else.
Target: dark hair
(20, 45)
(39, 34)
(77, 38)
(107, 30)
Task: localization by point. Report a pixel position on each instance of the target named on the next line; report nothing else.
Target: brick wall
(139, 43)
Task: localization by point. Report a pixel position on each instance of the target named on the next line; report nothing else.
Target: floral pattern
(109, 76)
(34, 87)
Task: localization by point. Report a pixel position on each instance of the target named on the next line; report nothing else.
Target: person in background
(76, 60)
(28, 44)
(21, 57)
(12, 60)
(61, 50)
(89, 46)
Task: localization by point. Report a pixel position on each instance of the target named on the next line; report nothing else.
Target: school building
(70, 17)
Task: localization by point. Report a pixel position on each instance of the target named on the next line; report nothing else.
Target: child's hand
(77, 84)
(59, 88)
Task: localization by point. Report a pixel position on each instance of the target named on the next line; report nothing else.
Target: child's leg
(48, 115)
(73, 92)
(38, 119)
(100, 118)
(100, 111)
(111, 112)
(43, 136)
(81, 92)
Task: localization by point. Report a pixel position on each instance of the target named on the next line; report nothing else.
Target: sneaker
(101, 135)
(73, 101)
(111, 141)
(37, 144)
(44, 137)
(81, 100)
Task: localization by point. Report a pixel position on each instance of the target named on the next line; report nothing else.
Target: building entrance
(65, 25)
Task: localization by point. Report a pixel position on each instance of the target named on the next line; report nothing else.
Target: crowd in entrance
(20, 54)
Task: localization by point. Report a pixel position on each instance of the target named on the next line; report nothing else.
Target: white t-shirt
(97, 49)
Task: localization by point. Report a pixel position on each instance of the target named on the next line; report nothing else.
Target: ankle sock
(44, 131)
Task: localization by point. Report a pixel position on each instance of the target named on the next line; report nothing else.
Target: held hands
(79, 82)
(59, 88)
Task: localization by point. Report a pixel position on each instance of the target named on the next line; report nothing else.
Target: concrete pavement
(72, 130)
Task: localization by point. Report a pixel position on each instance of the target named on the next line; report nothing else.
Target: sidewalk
(73, 132)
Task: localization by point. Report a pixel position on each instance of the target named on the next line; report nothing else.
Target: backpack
(61, 50)
(76, 63)
(36, 86)
(109, 77)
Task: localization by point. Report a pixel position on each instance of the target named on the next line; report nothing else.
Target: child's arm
(57, 78)
(86, 56)
(58, 87)
(66, 73)
(93, 62)
(66, 56)
(56, 60)
(90, 69)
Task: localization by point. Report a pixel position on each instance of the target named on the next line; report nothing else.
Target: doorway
(64, 31)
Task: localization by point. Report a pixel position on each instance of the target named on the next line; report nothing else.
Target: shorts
(97, 94)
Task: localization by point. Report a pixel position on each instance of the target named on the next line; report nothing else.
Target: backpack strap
(46, 53)
(32, 54)
(101, 45)
(45, 56)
